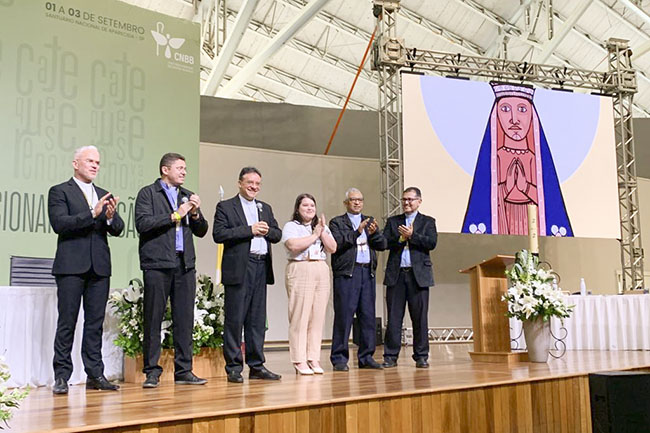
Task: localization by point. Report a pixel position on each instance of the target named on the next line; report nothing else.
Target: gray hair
(350, 191)
(82, 149)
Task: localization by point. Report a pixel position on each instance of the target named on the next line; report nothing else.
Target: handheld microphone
(187, 218)
(259, 209)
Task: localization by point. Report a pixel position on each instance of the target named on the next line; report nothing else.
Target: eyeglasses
(410, 199)
(358, 200)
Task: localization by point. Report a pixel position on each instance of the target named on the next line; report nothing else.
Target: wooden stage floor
(255, 406)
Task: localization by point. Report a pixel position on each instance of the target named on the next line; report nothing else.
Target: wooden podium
(489, 322)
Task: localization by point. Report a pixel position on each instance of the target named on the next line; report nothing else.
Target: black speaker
(379, 336)
(620, 402)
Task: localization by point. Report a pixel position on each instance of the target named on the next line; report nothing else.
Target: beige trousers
(308, 288)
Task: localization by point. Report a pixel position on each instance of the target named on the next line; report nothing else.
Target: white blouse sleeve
(290, 231)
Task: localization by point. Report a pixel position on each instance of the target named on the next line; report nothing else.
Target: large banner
(482, 152)
(80, 72)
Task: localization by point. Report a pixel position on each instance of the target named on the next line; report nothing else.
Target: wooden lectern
(489, 322)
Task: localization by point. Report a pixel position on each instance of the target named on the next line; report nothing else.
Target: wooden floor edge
(311, 404)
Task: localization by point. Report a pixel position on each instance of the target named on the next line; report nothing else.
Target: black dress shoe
(341, 367)
(100, 383)
(189, 379)
(60, 386)
(389, 363)
(151, 381)
(372, 364)
(264, 374)
(421, 363)
(235, 377)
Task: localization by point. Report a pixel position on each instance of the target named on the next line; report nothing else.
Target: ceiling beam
(549, 47)
(271, 48)
(619, 15)
(230, 46)
(439, 30)
(510, 29)
(295, 83)
(303, 47)
(332, 21)
(256, 93)
(636, 10)
(600, 46)
(487, 14)
(407, 14)
(505, 28)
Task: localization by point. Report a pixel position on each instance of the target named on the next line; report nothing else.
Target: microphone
(259, 211)
(187, 218)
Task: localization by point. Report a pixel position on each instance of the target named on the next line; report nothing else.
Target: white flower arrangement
(208, 317)
(9, 400)
(533, 292)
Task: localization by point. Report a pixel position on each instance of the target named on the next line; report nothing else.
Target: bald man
(82, 214)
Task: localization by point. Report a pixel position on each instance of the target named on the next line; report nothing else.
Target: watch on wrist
(176, 216)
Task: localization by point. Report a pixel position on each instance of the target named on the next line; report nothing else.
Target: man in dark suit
(166, 217)
(247, 228)
(410, 236)
(82, 214)
(353, 265)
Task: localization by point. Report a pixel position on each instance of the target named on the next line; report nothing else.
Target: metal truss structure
(440, 335)
(388, 59)
(392, 56)
(620, 66)
(451, 335)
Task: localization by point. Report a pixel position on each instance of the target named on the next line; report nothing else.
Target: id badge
(314, 252)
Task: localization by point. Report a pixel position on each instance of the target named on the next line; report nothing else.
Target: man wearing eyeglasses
(354, 264)
(410, 237)
(247, 228)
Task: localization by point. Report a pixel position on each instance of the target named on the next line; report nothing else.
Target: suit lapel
(78, 194)
(348, 223)
(417, 221)
(401, 221)
(239, 210)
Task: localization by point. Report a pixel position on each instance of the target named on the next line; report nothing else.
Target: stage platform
(454, 395)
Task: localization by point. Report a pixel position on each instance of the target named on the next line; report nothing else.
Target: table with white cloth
(599, 322)
(28, 318)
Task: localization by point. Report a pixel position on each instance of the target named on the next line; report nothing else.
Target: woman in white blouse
(307, 240)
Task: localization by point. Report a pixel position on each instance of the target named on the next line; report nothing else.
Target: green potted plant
(9, 400)
(207, 333)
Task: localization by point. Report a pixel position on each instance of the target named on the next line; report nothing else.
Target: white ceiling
(317, 66)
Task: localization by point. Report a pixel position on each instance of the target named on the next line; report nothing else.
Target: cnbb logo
(164, 40)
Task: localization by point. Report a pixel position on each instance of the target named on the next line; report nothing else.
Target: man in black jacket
(247, 228)
(410, 236)
(82, 214)
(166, 217)
(354, 264)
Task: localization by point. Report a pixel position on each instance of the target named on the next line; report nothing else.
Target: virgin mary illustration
(515, 168)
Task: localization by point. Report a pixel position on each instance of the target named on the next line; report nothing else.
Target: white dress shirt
(258, 243)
